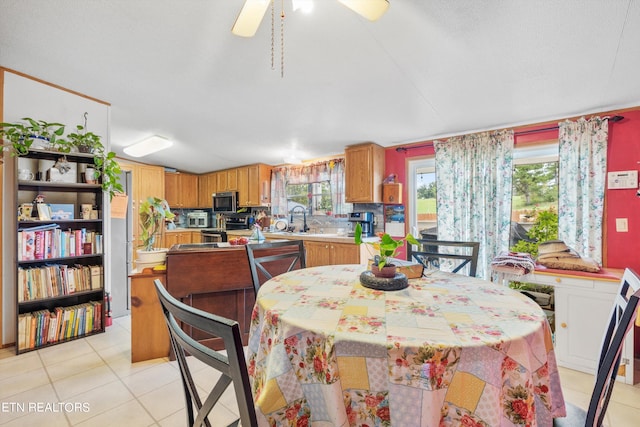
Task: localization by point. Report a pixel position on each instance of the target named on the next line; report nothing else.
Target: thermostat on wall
(622, 179)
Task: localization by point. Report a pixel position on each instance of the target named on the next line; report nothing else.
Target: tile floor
(101, 387)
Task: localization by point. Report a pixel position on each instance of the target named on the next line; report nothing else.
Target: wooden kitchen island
(213, 279)
(208, 277)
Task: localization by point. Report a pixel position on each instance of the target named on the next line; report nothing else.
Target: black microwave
(225, 202)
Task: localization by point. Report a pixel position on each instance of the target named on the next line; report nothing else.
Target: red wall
(621, 249)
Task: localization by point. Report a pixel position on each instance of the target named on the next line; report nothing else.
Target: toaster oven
(197, 219)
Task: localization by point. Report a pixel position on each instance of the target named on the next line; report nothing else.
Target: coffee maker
(365, 219)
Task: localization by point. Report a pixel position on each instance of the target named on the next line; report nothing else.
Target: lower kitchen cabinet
(328, 253)
(582, 309)
(175, 237)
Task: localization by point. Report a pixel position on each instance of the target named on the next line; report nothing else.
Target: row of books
(36, 244)
(43, 327)
(55, 280)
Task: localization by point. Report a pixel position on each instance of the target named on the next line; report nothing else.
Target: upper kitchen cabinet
(207, 185)
(364, 172)
(147, 181)
(181, 189)
(254, 185)
(227, 180)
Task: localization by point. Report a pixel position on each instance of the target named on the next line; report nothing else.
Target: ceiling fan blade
(250, 17)
(369, 9)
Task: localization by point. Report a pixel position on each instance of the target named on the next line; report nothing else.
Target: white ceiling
(426, 69)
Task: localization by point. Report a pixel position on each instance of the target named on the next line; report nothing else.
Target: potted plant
(23, 136)
(152, 214)
(86, 142)
(387, 248)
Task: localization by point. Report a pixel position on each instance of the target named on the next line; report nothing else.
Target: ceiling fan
(253, 11)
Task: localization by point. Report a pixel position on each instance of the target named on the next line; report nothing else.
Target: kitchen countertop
(320, 237)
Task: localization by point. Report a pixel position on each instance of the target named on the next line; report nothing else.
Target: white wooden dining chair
(623, 314)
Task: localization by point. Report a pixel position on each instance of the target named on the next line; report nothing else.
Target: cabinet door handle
(563, 324)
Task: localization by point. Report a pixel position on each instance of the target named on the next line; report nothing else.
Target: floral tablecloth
(449, 350)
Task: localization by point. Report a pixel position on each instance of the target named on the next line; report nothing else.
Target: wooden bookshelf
(59, 260)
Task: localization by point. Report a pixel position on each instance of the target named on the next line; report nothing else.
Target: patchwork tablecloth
(449, 350)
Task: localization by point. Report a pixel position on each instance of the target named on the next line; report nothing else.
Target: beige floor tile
(61, 352)
(151, 379)
(177, 419)
(29, 404)
(74, 365)
(72, 387)
(35, 419)
(20, 383)
(18, 365)
(165, 400)
(131, 413)
(100, 399)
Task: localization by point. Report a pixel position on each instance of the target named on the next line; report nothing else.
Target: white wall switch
(622, 225)
(622, 179)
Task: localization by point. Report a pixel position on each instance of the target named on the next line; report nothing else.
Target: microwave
(225, 202)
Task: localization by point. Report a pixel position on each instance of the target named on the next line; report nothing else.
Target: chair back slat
(232, 365)
(283, 256)
(431, 252)
(623, 314)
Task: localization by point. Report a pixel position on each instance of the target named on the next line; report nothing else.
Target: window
(422, 207)
(314, 197)
(535, 182)
(534, 202)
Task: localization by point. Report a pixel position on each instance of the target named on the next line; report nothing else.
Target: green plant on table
(387, 247)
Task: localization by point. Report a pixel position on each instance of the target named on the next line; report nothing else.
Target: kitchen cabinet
(329, 253)
(174, 237)
(181, 189)
(254, 185)
(227, 180)
(207, 185)
(147, 181)
(583, 304)
(149, 335)
(364, 173)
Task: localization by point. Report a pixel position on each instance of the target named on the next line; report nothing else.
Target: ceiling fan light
(148, 146)
(250, 17)
(369, 9)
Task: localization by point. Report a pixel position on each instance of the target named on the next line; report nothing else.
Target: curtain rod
(524, 132)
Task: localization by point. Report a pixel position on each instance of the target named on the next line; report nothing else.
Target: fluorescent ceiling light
(304, 6)
(370, 9)
(250, 16)
(147, 146)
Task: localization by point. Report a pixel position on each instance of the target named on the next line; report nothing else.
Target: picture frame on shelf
(62, 211)
(44, 212)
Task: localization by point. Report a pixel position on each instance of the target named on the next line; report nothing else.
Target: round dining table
(448, 350)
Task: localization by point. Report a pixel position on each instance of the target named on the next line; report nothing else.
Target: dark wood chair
(431, 252)
(624, 312)
(267, 260)
(231, 365)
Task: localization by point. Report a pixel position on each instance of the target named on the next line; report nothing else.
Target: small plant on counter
(153, 213)
(386, 246)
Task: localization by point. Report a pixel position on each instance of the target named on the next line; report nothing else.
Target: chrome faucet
(305, 228)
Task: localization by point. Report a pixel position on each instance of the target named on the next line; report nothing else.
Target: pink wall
(621, 249)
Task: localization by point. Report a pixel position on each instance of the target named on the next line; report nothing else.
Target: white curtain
(582, 177)
(474, 192)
